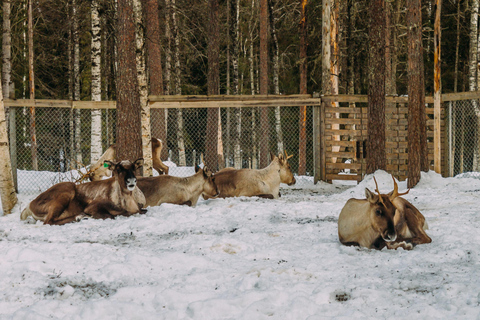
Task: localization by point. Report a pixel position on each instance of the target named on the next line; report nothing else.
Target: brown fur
(359, 224)
(253, 182)
(176, 190)
(66, 202)
(98, 171)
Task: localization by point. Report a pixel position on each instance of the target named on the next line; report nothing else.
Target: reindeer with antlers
(263, 183)
(382, 220)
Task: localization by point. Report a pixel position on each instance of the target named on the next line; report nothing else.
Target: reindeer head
(124, 172)
(286, 175)
(382, 211)
(210, 189)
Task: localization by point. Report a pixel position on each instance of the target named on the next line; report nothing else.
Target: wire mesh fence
(63, 140)
(463, 140)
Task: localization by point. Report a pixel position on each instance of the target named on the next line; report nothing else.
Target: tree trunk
(76, 85)
(7, 189)
(376, 88)
(254, 160)
(417, 140)
(302, 143)
(31, 77)
(276, 71)
(129, 138)
(96, 130)
(212, 156)
(437, 82)
(264, 125)
(228, 130)
(155, 72)
(143, 89)
(235, 59)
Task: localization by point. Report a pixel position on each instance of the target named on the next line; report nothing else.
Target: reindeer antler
(395, 190)
(378, 191)
(287, 156)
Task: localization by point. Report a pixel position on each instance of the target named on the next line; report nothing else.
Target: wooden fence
(340, 133)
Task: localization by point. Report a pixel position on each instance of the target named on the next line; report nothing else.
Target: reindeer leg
(57, 207)
(415, 223)
(104, 210)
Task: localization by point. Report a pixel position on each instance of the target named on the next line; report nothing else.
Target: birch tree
(251, 63)
(276, 71)
(238, 111)
(264, 125)
(7, 188)
(182, 161)
(143, 89)
(302, 143)
(31, 77)
(96, 130)
(76, 84)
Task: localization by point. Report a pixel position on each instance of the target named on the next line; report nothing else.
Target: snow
(246, 258)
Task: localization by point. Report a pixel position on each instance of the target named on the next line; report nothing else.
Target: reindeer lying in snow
(67, 202)
(263, 183)
(382, 220)
(176, 190)
(98, 171)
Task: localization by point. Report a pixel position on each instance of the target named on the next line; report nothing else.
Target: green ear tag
(105, 165)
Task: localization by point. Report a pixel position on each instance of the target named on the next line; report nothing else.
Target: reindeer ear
(272, 156)
(197, 167)
(138, 163)
(281, 157)
(371, 197)
(109, 164)
(206, 172)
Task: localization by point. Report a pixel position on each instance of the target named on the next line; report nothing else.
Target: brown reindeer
(263, 183)
(98, 171)
(67, 202)
(382, 220)
(176, 190)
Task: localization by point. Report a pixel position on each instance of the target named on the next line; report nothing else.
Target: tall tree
(129, 139)
(155, 72)
(264, 125)
(96, 129)
(376, 88)
(7, 189)
(235, 61)
(212, 159)
(417, 135)
(31, 77)
(302, 143)
(76, 84)
(182, 160)
(251, 62)
(276, 71)
(143, 89)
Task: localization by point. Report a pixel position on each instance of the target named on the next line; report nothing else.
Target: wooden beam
(437, 96)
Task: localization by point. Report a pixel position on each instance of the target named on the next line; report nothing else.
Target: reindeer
(263, 183)
(382, 220)
(176, 190)
(67, 202)
(98, 171)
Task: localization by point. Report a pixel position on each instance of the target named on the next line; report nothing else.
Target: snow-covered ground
(246, 258)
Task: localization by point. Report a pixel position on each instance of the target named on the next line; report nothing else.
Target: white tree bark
(238, 111)
(182, 161)
(252, 87)
(143, 88)
(96, 130)
(7, 189)
(472, 75)
(76, 85)
(276, 71)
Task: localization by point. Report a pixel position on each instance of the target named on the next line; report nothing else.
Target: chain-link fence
(463, 140)
(63, 138)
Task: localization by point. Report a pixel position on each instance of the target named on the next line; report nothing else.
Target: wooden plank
(351, 143)
(349, 177)
(340, 154)
(344, 121)
(342, 166)
(329, 110)
(352, 133)
(201, 98)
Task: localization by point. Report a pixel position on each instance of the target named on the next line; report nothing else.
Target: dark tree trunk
(417, 136)
(211, 141)
(302, 145)
(155, 72)
(129, 139)
(264, 125)
(376, 157)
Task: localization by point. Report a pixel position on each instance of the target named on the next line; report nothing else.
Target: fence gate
(345, 137)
